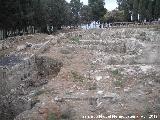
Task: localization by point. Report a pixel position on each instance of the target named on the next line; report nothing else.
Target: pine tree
(142, 10)
(76, 6)
(157, 9)
(135, 10)
(149, 11)
(85, 14)
(97, 8)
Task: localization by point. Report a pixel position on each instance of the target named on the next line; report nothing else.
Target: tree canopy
(97, 9)
(147, 9)
(43, 15)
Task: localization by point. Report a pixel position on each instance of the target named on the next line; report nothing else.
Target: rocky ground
(105, 72)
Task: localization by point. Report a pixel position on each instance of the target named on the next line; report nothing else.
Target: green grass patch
(75, 39)
(77, 77)
(93, 86)
(119, 83)
(40, 92)
(51, 116)
(115, 72)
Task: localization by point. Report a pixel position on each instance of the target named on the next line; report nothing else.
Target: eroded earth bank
(72, 75)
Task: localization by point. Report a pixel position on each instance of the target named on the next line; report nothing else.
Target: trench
(18, 75)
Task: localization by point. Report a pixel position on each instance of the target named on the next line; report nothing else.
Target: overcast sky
(109, 4)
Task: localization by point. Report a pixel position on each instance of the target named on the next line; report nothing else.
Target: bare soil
(105, 72)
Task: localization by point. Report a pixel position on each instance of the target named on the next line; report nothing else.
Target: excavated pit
(19, 77)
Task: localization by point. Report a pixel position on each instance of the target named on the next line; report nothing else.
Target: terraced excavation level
(105, 72)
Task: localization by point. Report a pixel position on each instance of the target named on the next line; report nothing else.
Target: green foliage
(85, 14)
(142, 11)
(135, 10)
(115, 72)
(118, 83)
(57, 13)
(97, 9)
(156, 8)
(40, 92)
(147, 9)
(51, 116)
(114, 16)
(93, 86)
(77, 77)
(75, 39)
(67, 114)
(44, 16)
(76, 6)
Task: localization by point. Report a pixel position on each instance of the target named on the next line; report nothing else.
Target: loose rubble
(83, 73)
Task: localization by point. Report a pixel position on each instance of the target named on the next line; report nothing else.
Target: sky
(109, 4)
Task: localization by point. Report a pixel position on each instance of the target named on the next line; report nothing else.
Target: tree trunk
(4, 33)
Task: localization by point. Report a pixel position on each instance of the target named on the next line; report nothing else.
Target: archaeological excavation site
(84, 74)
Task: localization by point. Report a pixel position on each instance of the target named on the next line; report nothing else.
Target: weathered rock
(28, 45)
(21, 47)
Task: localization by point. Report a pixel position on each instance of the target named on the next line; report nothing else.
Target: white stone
(98, 78)
(1, 46)
(146, 68)
(100, 92)
(107, 77)
(98, 105)
(126, 89)
(21, 47)
(56, 98)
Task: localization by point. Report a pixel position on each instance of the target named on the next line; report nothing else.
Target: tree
(157, 9)
(114, 16)
(127, 7)
(142, 10)
(56, 10)
(147, 9)
(85, 14)
(9, 15)
(97, 8)
(24, 14)
(40, 17)
(76, 6)
(135, 10)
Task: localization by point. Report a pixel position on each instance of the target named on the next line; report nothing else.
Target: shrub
(51, 116)
(75, 39)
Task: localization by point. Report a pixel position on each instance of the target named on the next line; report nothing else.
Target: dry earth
(105, 72)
